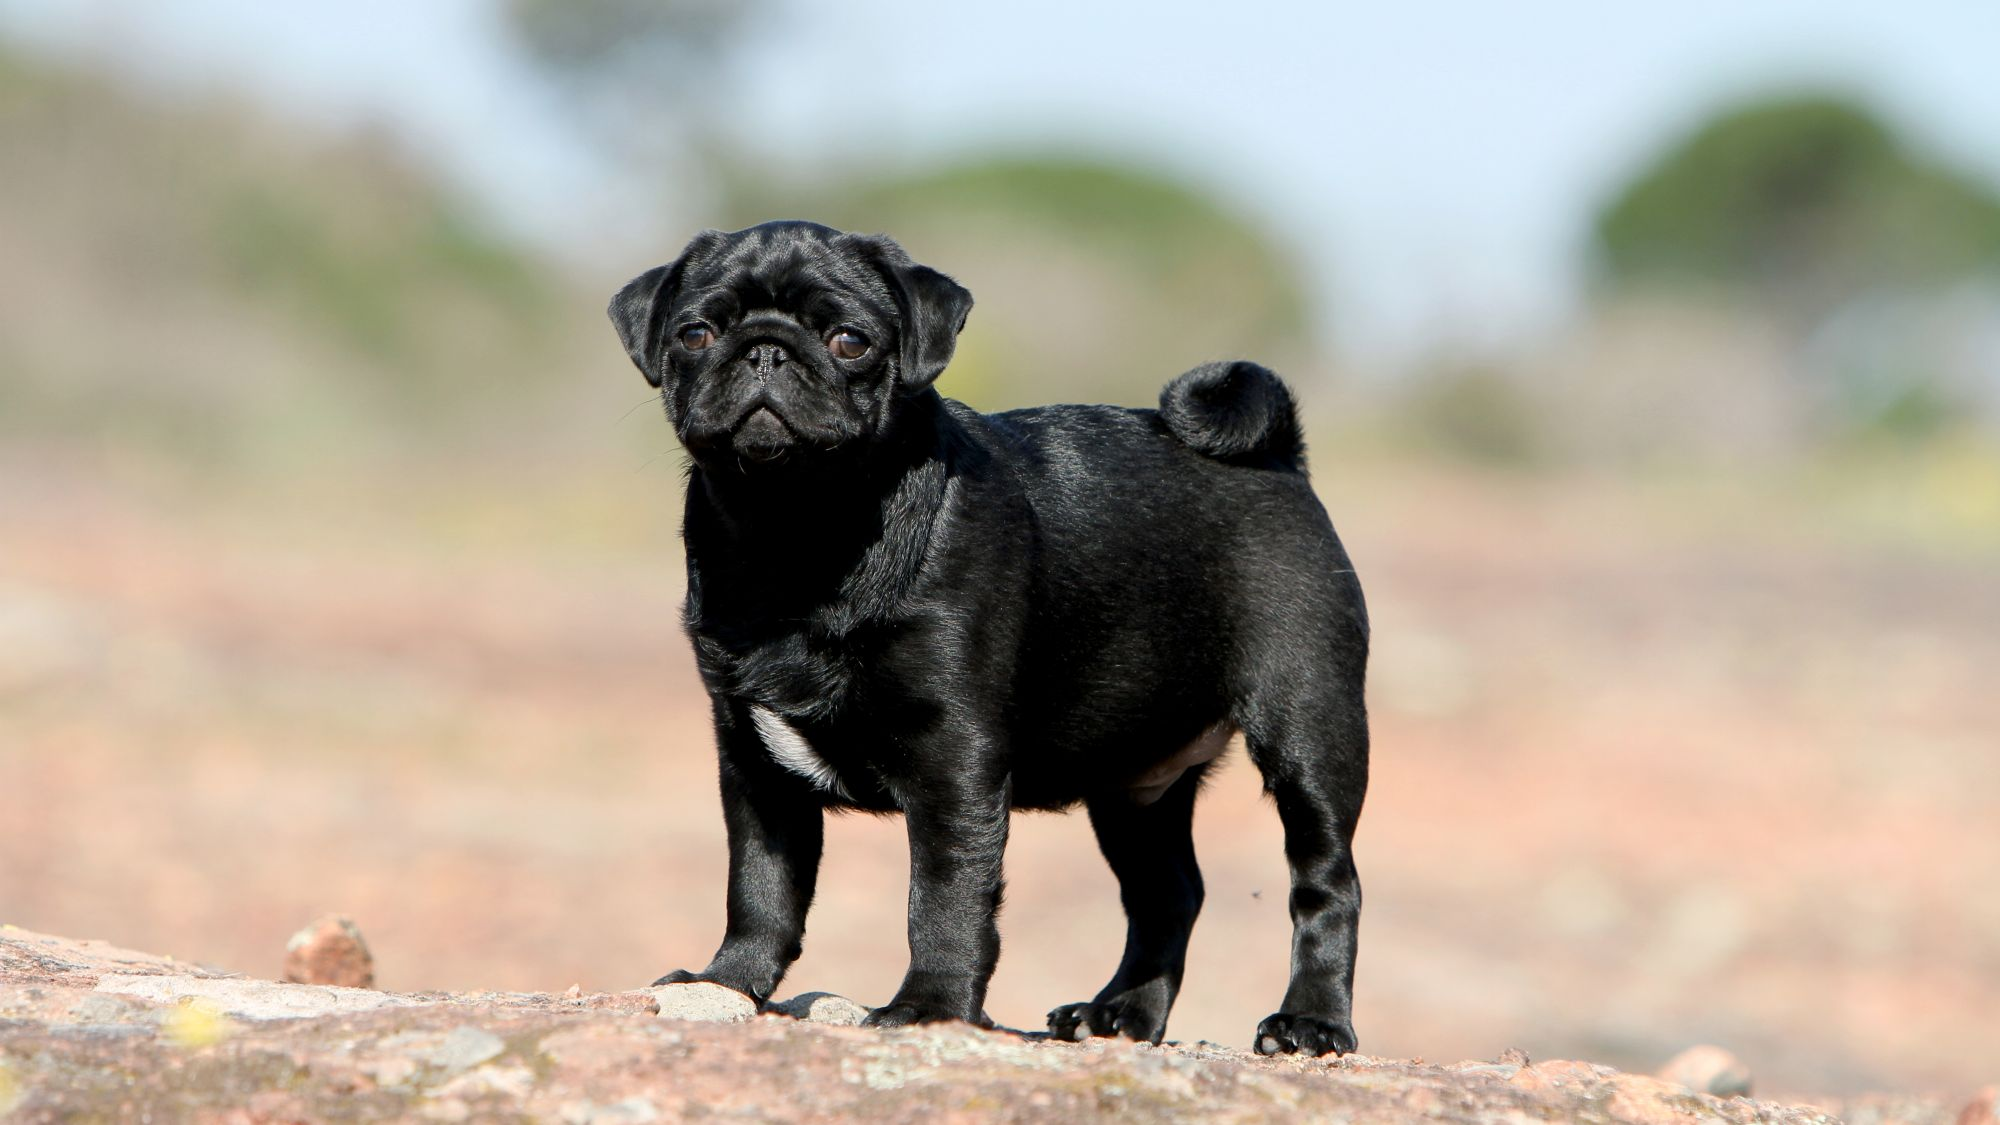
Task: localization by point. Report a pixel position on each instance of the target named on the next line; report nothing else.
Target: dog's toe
(678, 976)
(892, 1015)
(903, 1013)
(1071, 1021)
(1121, 1016)
(1288, 1033)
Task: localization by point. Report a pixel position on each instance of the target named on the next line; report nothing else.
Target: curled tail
(1236, 411)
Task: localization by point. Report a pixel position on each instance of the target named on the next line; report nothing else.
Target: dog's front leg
(775, 827)
(958, 833)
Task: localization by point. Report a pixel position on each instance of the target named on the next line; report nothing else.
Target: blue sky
(1431, 164)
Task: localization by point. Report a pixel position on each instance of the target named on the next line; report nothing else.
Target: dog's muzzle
(761, 435)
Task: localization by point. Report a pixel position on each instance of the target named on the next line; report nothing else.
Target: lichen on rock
(307, 1052)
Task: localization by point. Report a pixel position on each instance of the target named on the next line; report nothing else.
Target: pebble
(702, 1002)
(822, 1007)
(1708, 1069)
(330, 951)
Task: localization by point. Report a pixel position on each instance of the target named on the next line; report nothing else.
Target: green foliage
(206, 280)
(1477, 414)
(1805, 201)
(1092, 280)
(616, 63)
(367, 285)
(1155, 224)
(579, 38)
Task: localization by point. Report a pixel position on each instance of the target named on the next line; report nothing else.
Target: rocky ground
(1644, 777)
(89, 1031)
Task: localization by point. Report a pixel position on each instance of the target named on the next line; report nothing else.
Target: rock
(1515, 1056)
(1708, 1069)
(1640, 1100)
(446, 1109)
(631, 1111)
(1556, 1075)
(465, 1048)
(1983, 1109)
(702, 1002)
(330, 951)
(354, 1054)
(252, 999)
(96, 1008)
(822, 1007)
(1502, 1071)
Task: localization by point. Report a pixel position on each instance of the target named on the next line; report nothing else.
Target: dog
(899, 604)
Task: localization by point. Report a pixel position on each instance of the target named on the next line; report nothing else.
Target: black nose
(766, 356)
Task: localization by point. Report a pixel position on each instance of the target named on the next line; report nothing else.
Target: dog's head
(787, 339)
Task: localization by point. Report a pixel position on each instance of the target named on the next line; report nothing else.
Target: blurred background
(1652, 368)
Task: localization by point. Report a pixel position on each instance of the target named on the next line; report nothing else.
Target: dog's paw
(680, 976)
(1290, 1034)
(1125, 1015)
(903, 1013)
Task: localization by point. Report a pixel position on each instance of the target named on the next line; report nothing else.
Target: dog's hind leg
(1313, 751)
(1151, 849)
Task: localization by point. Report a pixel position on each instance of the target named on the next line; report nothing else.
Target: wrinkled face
(775, 343)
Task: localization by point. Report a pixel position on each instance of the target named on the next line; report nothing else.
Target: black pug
(901, 605)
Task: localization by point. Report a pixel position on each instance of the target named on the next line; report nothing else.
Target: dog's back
(1180, 557)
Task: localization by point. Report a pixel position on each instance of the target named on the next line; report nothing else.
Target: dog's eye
(847, 344)
(695, 337)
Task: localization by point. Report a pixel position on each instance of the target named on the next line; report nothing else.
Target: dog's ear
(934, 309)
(638, 309)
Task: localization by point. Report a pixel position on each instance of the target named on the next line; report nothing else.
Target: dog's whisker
(635, 406)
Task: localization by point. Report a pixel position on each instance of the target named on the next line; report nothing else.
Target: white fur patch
(791, 750)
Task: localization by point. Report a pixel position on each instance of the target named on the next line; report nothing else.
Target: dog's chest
(790, 688)
(788, 674)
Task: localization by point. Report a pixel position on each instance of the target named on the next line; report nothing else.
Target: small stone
(1708, 1069)
(573, 992)
(330, 951)
(702, 1002)
(1514, 1056)
(822, 1007)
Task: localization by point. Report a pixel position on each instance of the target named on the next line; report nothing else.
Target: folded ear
(637, 311)
(938, 308)
(934, 309)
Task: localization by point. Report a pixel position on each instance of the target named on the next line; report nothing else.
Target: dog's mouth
(762, 433)
(762, 436)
